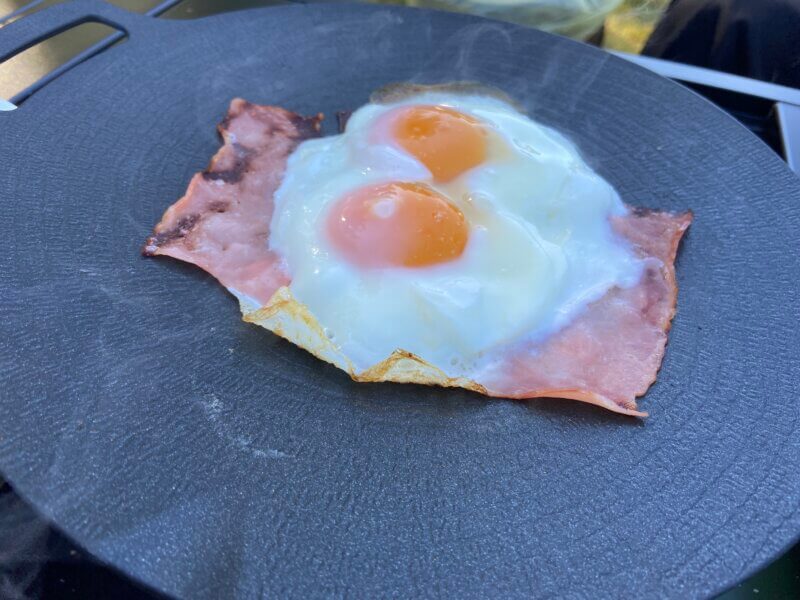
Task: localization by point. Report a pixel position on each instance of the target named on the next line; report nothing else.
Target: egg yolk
(446, 141)
(397, 225)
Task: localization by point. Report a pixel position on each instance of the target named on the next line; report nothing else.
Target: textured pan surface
(209, 458)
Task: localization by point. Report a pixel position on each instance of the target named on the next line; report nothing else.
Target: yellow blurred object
(630, 25)
(574, 18)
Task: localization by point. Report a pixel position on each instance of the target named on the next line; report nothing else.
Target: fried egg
(448, 226)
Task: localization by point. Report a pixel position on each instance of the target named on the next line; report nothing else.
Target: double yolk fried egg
(445, 227)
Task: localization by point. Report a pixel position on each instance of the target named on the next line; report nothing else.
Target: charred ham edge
(222, 222)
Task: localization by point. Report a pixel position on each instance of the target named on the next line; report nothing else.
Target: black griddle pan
(210, 459)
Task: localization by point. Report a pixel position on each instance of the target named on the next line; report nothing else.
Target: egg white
(541, 246)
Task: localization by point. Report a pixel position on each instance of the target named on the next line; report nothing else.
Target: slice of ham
(611, 353)
(607, 356)
(222, 223)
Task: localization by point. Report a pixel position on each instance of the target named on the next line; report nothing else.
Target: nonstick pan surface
(208, 458)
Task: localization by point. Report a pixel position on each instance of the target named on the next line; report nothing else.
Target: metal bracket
(786, 99)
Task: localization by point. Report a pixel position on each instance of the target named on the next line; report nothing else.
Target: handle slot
(33, 68)
(29, 31)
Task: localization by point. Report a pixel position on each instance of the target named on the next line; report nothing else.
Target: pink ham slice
(611, 353)
(607, 356)
(222, 223)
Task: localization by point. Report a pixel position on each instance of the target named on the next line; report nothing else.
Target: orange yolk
(397, 225)
(446, 141)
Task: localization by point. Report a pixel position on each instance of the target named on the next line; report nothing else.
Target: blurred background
(36, 561)
(621, 25)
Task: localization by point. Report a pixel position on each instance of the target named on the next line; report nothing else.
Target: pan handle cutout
(36, 66)
(102, 23)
